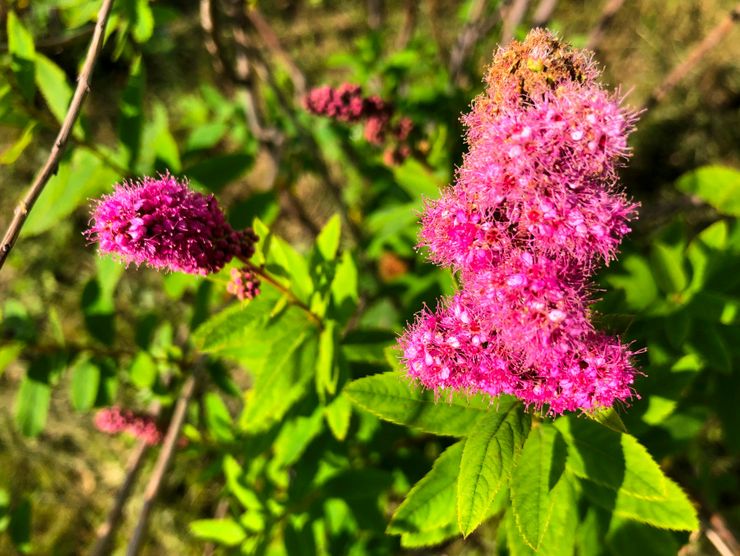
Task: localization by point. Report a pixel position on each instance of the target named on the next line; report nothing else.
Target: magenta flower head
(165, 224)
(535, 209)
(115, 420)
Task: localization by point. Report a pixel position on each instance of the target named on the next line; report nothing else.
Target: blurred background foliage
(212, 92)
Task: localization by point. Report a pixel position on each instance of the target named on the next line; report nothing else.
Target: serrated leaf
(232, 326)
(490, 453)
(616, 461)
(718, 186)
(294, 438)
(421, 539)
(539, 487)
(84, 385)
(391, 397)
(673, 511)
(281, 382)
(430, 504)
(609, 418)
(223, 531)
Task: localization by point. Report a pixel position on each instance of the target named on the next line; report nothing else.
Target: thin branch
(607, 15)
(718, 524)
(514, 15)
(107, 531)
(163, 461)
(717, 542)
(543, 13)
(50, 167)
(292, 297)
(713, 38)
(375, 14)
(271, 40)
(410, 18)
(473, 31)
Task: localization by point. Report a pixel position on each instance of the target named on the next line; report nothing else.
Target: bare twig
(50, 167)
(474, 29)
(107, 531)
(718, 524)
(288, 107)
(267, 277)
(375, 14)
(713, 38)
(607, 15)
(272, 42)
(543, 12)
(717, 542)
(511, 20)
(163, 461)
(410, 17)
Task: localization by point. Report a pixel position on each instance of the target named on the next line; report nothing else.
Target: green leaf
(668, 268)
(234, 482)
(416, 180)
(11, 154)
(283, 259)
(624, 535)
(540, 492)
(391, 397)
(218, 419)
(85, 383)
(338, 415)
(490, 453)
(143, 371)
(420, 539)
(158, 146)
(327, 368)
(76, 181)
(327, 242)
(223, 531)
(282, 382)
(235, 324)
(636, 280)
(431, 503)
(609, 418)
(616, 461)
(718, 186)
(673, 511)
(22, 55)
(143, 25)
(294, 438)
(32, 406)
(20, 527)
(52, 82)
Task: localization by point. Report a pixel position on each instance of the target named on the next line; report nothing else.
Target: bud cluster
(114, 420)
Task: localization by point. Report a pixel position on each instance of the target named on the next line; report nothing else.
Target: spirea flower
(165, 224)
(535, 208)
(114, 420)
(346, 103)
(244, 284)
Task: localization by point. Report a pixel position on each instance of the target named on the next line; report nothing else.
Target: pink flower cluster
(114, 420)
(347, 104)
(163, 223)
(244, 284)
(534, 210)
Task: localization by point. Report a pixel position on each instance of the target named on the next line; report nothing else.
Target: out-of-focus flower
(114, 420)
(165, 224)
